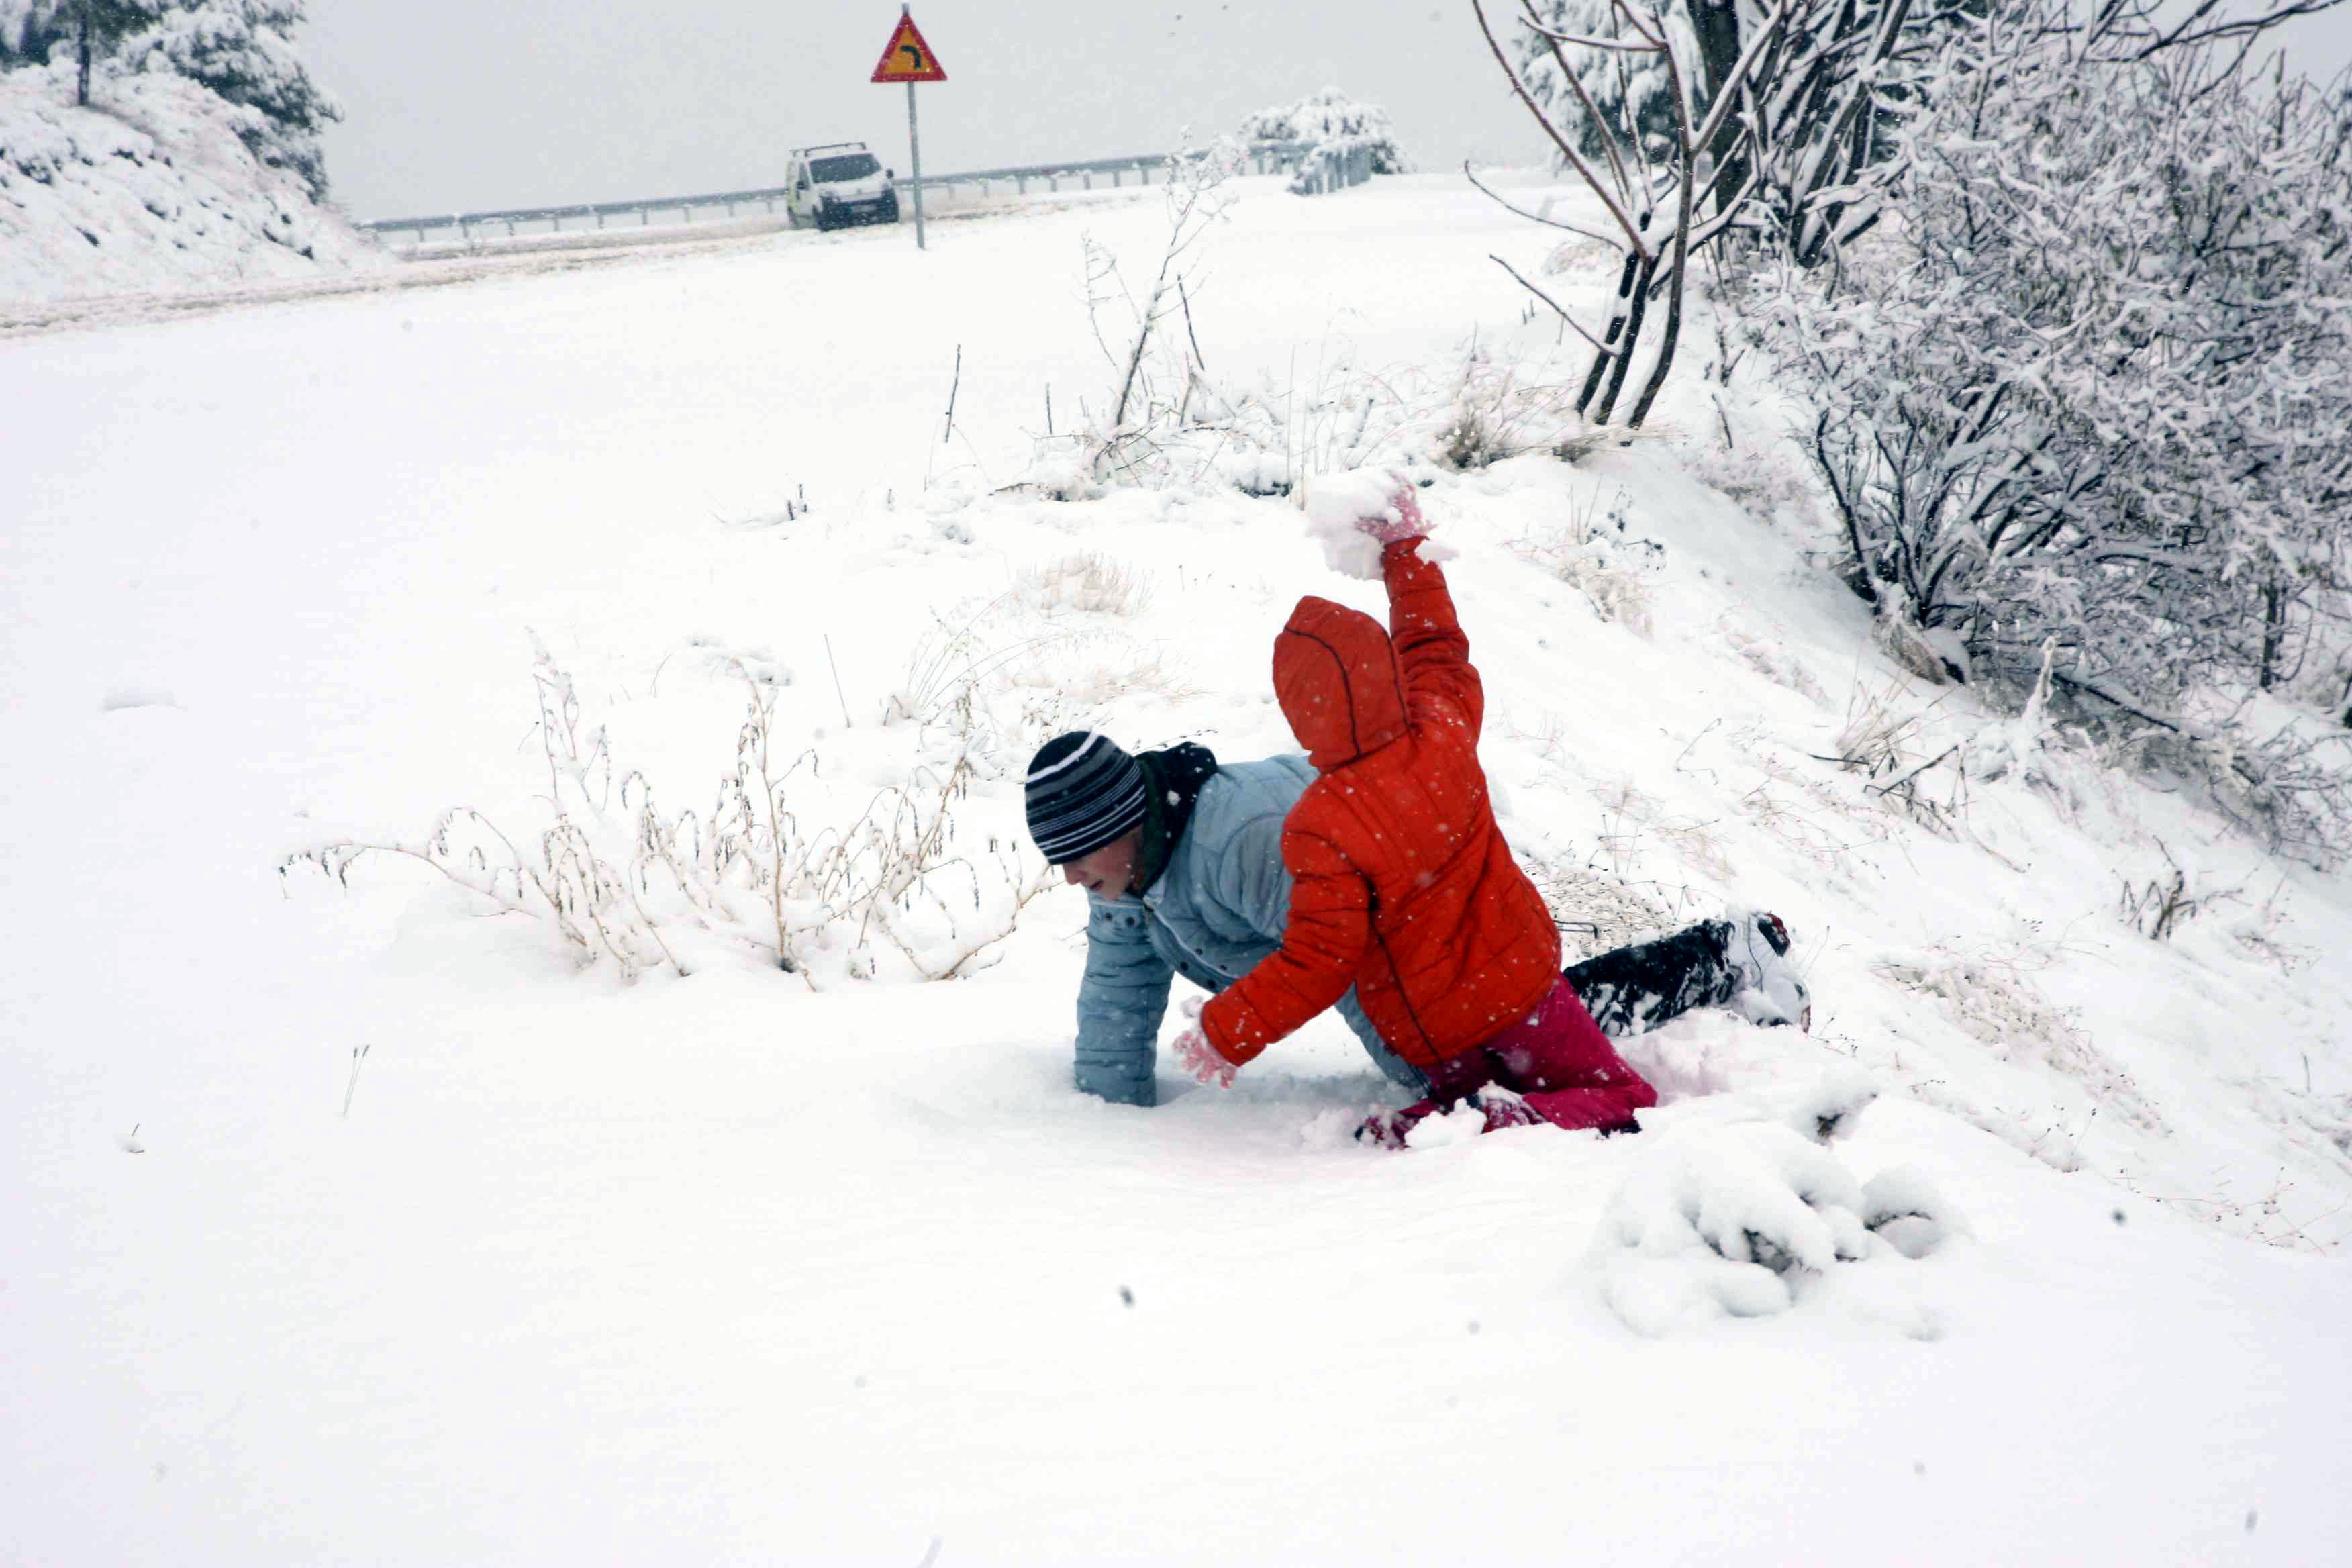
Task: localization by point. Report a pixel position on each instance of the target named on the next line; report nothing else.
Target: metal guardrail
(1264, 157)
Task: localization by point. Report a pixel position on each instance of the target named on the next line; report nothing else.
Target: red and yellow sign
(907, 57)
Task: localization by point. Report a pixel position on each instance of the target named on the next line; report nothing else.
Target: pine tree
(98, 26)
(24, 38)
(1626, 89)
(29, 29)
(243, 51)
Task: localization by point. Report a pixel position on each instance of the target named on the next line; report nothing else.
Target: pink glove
(1201, 1060)
(1402, 521)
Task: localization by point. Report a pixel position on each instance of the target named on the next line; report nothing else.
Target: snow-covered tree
(1821, 84)
(29, 28)
(2092, 384)
(1330, 118)
(1665, 205)
(1624, 88)
(32, 30)
(243, 51)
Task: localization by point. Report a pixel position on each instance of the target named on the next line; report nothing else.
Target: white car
(839, 183)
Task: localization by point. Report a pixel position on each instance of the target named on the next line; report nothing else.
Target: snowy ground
(727, 1268)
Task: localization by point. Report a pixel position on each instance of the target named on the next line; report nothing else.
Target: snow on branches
(243, 51)
(2093, 383)
(240, 50)
(1329, 118)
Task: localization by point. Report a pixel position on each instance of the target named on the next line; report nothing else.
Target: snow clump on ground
(1746, 1217)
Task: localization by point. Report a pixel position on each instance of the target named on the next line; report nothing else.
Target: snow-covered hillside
(150, 187)
(359, 1220)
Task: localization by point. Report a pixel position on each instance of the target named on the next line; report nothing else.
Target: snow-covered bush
(1503, 410)
(1330, 119)
(2092, 384)
(1591, 552)
(1763, 480)
(1090, 583)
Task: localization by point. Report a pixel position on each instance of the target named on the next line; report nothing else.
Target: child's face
(1109, 870)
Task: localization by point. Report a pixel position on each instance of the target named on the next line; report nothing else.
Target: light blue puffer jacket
(1218, 908)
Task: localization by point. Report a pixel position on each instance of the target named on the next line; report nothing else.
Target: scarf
(1171, 781)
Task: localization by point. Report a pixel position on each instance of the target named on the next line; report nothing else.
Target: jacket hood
(1335, 675)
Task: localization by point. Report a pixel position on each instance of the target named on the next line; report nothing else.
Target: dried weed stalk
(613, 884)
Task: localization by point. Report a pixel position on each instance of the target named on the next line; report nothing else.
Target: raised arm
(1439, 682)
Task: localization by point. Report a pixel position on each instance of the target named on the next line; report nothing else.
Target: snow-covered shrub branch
(2094, 385)
(631, 884)
(1157, 372)
(1822, 87)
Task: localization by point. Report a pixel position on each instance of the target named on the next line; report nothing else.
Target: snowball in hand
(1336, 504)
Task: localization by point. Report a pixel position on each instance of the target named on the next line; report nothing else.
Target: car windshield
(850, 166)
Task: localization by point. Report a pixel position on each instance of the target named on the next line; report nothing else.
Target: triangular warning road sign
(907, 57)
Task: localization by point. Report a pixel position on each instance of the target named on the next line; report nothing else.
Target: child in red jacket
(1402, 884)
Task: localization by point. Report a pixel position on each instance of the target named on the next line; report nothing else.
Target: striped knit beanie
(1082, 792)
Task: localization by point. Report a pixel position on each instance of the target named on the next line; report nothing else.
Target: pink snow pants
(1559, 1061)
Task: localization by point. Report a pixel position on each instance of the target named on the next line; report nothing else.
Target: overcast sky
(460, 105)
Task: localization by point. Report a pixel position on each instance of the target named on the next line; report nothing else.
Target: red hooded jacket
(1401, 883)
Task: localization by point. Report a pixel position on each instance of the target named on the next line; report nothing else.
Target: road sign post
(907, 58)
(915, 162)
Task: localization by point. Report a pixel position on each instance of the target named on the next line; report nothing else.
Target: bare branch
(1598, 347)
(1592, 110)
(1593, 43)
(1536, 218)
(1575, 159)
